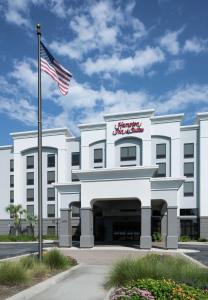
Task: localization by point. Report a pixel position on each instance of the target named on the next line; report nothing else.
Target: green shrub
(157, 267)
(12, 273)
(29, 262)
(202, 240)
(157, 237)
(50, 237)
(185, 238)
(13, 238)
(167, 289)
(54, 259)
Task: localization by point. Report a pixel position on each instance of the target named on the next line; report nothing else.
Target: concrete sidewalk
(84, 283)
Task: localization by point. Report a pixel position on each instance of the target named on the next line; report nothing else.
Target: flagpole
(40, 225)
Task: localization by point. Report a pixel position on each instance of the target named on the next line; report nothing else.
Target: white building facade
(124, 179)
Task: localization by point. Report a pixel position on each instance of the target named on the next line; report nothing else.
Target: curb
(193, 260)
(42, 286)
(29, 242)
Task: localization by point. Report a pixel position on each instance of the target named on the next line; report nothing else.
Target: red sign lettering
(128, 128)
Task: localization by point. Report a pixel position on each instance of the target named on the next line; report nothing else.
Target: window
(128, 153)
(51, 160)
(11, 196)
(189, 169)
(188, 189)
(74, 177)
(30, 162)
(75, 158)
(75, 207)
(11, 165)
(161, 172)
(188, 150)
(30, 194)
(98, 155)
(30, 210)
(51, 194)
(30, 178)
(51, 230)
(11, 180)
(189, 212)
(51, 210)
(161, 151)
(50, 177)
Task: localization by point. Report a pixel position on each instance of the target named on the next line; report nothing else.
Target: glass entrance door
(126, 231)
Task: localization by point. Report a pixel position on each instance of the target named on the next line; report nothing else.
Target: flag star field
(123, 56)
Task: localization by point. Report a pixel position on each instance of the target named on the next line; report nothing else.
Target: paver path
(84, 283)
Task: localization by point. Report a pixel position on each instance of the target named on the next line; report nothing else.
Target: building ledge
(167, 118)
(166, 183)
(129, 115)
(45, 132)
(122, 173)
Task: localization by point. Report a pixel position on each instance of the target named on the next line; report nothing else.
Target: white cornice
(129, 115)
(92, 126)
(6, 147)
(201, 116)
(123, 173)
(166, 183)
(167, 118)
(45, 132)
(189, 127)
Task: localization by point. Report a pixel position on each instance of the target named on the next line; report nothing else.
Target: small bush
(12, 273)
(202, 240)
(20, 238)
(156, 237)
(158, 267)
(185, 238)
(168, 289)
(29, 262)
(54, 259)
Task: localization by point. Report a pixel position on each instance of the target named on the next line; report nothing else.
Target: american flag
(50, 66)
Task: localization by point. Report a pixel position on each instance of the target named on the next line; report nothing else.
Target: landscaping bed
(16, 276)
(158, 277)
(24, 238)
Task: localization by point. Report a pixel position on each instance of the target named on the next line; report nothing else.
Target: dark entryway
(117, 221)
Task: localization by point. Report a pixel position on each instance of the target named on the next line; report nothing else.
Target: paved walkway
(84, 283)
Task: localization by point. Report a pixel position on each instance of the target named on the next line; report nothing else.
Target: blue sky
(124, 56)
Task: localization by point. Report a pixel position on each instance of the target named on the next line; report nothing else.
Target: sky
(124, 55)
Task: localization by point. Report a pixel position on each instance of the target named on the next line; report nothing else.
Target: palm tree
(16, 212)
(32, 221)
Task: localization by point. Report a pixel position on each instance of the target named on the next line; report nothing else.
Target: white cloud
(137, 64)
(195, 45)
(99, 26)
(176, 65)
(170, 41)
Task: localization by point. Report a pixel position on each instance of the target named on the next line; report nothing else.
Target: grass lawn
(18, 275)
(163, 276)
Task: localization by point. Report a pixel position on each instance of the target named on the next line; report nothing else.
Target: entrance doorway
(117, 221)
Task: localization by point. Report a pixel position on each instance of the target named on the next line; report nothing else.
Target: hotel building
(123, 179)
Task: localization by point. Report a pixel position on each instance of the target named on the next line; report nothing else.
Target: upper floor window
(161, 172)
(98, 155)
(188, 189)
(51, 194)
(11, 180)
(51, 210)
(11, 196)
(188, 150)
(128, 153)
(11, 165)
(75, 158)
(50, 177)
(30, 194)
(30, 162)
(30, 178)
(30, 210)
(51, 160)
(160, 151)
(189, 169)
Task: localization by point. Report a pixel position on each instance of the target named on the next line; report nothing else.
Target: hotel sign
(127, 128)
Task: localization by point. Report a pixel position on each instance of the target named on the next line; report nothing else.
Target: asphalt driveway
(201, 256)
(10, 249)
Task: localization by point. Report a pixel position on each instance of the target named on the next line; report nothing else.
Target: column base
(65, 240)
(86, 241)
(145, 242)
(172, 242)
